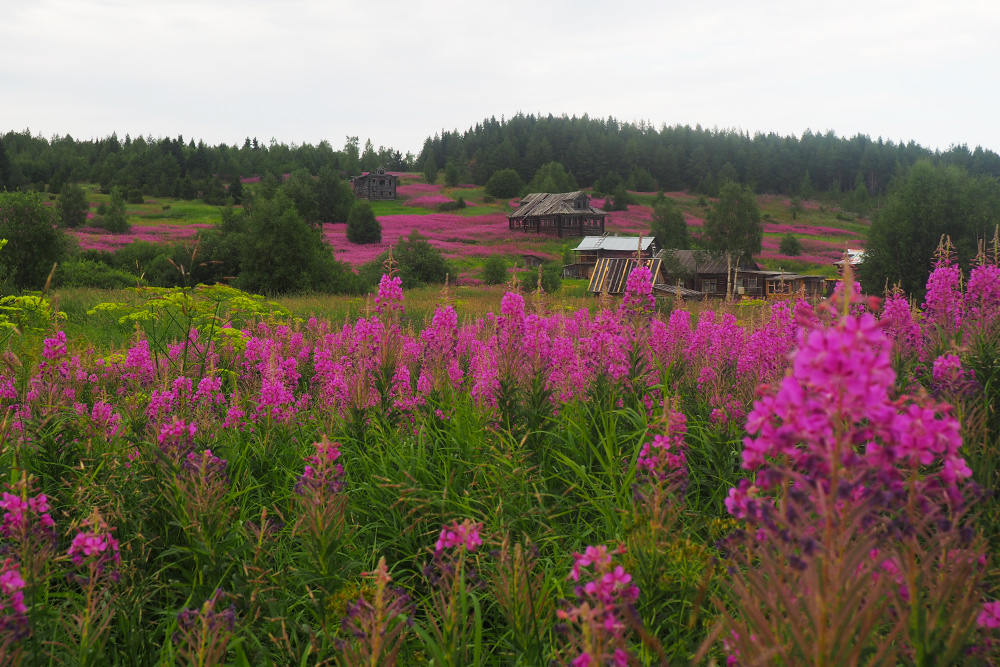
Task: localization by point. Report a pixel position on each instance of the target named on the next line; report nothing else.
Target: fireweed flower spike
(851, 485)
(375, 629)
(595, 627)
(203, 634)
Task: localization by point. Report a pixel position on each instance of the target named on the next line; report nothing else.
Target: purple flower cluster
(595, 621)
(13, 610)
(323, 474)
(664, 458)
(24, 515)
(390, 295)
(461, 536)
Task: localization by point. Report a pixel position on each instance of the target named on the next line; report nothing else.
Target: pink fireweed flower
(594, 621)
(982, 296)
(54, 348)
(97, 549)
(462, 536)
(13, 610)
(949, 377)
(205, 465)
(322, 474)
(177, 438)
(664, 457)
(639, 291)
(989, 617)
(944, 306)
(390, 295)
(24, 516)
(597, 556)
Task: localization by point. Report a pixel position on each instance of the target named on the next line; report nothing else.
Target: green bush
(34, 244)
(504, 184)
(417, 262)
(87, 273)
(551, 278)
(495, 270)
(452, 205)
(790, 245)
(362, 225)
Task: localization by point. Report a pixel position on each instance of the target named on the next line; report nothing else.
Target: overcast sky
(303, 70)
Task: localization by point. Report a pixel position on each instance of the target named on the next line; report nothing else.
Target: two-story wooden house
(562, 214)
(377, 185)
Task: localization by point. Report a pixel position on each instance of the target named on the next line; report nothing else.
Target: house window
(709, 285)
(751, 282)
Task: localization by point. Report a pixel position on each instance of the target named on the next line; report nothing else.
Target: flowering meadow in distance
(790, 483)
(475, 234)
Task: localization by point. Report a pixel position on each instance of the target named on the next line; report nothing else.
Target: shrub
(417, 261)
(702, 201)
(362, 225)
(846, 217)
(134, 196)
(488, 199)
(495, 270)
(73, 206)
(33, 243)
(504, 184)
(551, 275)
(87, 273)
(114, 218)
(790, 245)
(452, 205)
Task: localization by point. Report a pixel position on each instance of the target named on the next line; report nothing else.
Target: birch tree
(733, 227)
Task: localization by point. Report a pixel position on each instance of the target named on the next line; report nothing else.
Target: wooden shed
(611, 274)
(593, 248)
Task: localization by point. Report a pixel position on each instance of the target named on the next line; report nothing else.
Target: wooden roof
(545, 203)
(611, 273)
(699, 261)
(675, 290)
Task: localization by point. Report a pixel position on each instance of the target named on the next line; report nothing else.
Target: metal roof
(611, 273)
(614, 243)
(561, 203)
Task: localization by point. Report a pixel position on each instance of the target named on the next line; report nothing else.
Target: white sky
(305, 70)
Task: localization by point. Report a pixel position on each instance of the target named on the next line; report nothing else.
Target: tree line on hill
(603, 153)
(169, 167)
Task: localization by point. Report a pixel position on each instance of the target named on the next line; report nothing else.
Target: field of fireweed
(805, 487)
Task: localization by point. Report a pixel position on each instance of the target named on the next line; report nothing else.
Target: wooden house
(377, 185)
(594, 248)
(700, 272)
(611, 274)
(792, 284)
(563, 214)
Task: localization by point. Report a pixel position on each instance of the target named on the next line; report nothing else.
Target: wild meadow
(224, 483)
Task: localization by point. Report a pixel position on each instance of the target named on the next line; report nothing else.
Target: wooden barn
(594, 248)
(700, 272)
(563, 214)
(611, 273)
(374, 186)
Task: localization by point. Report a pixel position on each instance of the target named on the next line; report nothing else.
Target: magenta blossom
(463, 536)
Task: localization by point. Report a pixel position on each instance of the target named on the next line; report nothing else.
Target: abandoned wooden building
(377, 185)
(594, 248)
(563, 214)
(698, 271)
(532, 261)
(611, 274)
